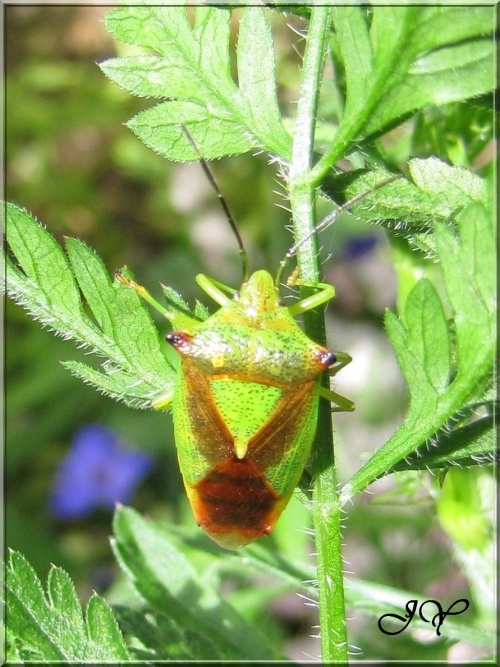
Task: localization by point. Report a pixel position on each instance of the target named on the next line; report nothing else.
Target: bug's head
(259, 294)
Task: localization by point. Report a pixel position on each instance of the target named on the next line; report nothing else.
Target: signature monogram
(411, 608)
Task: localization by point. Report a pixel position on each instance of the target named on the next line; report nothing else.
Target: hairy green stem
(326, 510)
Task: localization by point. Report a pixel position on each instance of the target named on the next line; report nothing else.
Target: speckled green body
(245, 411)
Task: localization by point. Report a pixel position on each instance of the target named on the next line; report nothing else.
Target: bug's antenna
(326, 222)
(225, 208)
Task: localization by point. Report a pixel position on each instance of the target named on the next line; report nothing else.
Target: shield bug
(246, 398)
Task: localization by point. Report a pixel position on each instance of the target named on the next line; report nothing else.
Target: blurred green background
(73, 164)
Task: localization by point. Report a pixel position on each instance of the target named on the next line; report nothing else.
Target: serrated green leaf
(212, 29)
(163, 577)
(48, 277)
(439, 26)
(120, 314)
(468, 260)
(455, 185)
(429, 54)
(469, 445)
(175, 299)
(26, 605)
(116, 384)
(421, 344)
(439, 191)
(380, 55)
(420, 56)
(427, 338)
(216, 134)
(90, 273)
(256, 76)
(63, 597)
(201, 312)
(165, 639)
(148, 76)
(467, 70)
(102, 627)
(468, 263)
(354, 43)
(390, 30)
(388, 33)
(138, 26)
(46, 284)
(193, 72)
(411, 212)
(437, 62)
(53, 629)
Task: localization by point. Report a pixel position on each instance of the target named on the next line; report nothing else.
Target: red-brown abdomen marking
(234, 496)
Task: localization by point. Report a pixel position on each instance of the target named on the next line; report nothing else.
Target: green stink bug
(245, 406)
(246, 399)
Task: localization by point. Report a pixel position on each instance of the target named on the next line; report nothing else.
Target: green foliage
(405, 55)
(194, 71)
(51, 627)
(181, 615)
(409, 209)
(396, 62)
(391, 63)
(188, 606)
(48, 284)
(467, 512)
(162, 584)
(444, 382)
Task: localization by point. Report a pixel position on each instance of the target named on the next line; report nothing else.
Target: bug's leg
(215, 289)
(341, 403)
(164, 401)
(326, 293)
(179, 320)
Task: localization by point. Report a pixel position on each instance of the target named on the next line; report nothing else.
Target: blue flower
(98, 471)
(356, 247)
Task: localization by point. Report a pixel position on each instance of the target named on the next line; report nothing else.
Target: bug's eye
(324, 357)
(281, 302)
(177, 338)
(328, 358)
(172, 337)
